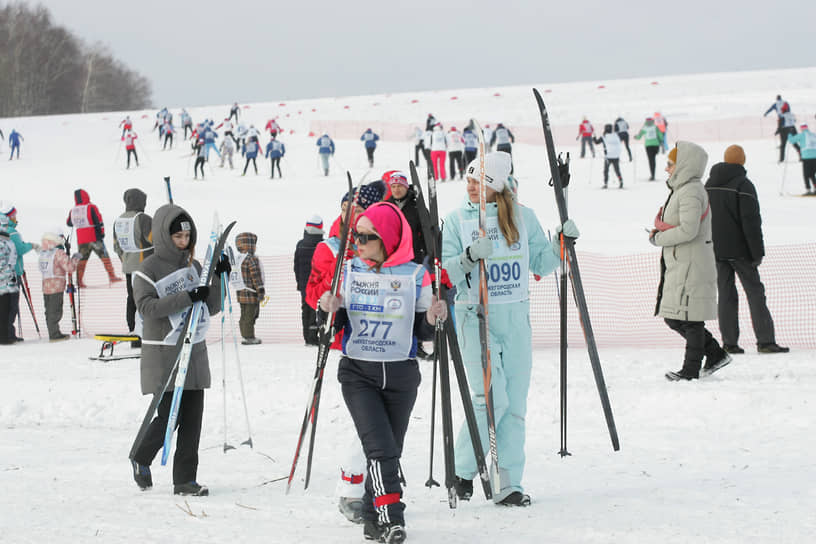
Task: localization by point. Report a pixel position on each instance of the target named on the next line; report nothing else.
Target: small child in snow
(54, 264)
(248, 280)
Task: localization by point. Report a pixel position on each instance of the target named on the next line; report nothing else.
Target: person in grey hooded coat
(165, 287)
(132, 241)
(687, 294)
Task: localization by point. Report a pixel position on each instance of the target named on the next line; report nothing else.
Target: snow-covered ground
(727, 459)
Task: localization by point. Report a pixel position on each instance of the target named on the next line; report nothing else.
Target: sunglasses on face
(364, 238)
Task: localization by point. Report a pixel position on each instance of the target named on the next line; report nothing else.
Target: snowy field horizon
(725, 459)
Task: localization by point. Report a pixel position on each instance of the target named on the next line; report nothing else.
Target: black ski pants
(186, 128)
(185, 460)
(624, 138)
(370, 155)
(275, 161)
(728, 302)
(420, 147)
(135, 156)
(470, 155)
(456, 160)
(308, 318)
(809, 173)
(586, 140)
(699, 343)
(168, 137)
(615, 164)
(14, 309)
(380, 397)
(199, 162)
(428, 162)
(5, 311)
(651, 153)
(784, 133)
(254, 165)
(130, 307)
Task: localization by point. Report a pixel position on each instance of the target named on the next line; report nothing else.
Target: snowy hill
(722, 460)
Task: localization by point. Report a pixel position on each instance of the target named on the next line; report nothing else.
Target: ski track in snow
(725, 459)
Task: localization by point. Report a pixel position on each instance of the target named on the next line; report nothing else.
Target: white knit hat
(314, 225)
(497, 170)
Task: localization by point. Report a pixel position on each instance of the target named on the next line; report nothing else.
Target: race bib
(79, 216)
(508, 269)
(185, 279)
(381, 311)
(46, 263)
(125, 230)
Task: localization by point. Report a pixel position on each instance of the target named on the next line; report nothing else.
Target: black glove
(199, 294)
(223, 265)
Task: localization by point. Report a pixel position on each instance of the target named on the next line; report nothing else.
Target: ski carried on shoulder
(575, 275)
(482, 316)
(325, 339)
(213, 253)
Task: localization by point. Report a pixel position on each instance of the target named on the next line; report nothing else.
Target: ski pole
(431, 482)
(27, 296)
(223, 365)
(248, 441)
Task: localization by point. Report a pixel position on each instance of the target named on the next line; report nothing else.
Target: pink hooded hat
(394, 231)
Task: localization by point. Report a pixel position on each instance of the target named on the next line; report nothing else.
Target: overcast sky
(199, 52)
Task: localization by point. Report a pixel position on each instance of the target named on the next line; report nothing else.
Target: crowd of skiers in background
(457, 148)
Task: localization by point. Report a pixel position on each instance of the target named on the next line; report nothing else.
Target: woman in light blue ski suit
(515, 248)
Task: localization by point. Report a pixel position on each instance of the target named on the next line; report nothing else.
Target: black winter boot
(191, 488)
(682, 374)
(142, 476)
(464, 488)
(516, 498)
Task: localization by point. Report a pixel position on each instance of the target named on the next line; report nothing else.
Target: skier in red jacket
(90, 234)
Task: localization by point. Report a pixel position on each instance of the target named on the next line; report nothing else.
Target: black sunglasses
(364, 238)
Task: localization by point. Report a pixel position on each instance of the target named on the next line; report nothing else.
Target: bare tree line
(45, 69)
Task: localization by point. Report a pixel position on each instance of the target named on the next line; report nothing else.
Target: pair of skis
(325, 339)
(445, 344)
(184, 346)
(568, 257)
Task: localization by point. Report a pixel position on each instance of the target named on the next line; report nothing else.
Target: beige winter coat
(688, 284)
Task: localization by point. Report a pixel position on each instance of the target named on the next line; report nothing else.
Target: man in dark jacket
(312, 235)
(133, 242)
(402, 194)
(738, 248)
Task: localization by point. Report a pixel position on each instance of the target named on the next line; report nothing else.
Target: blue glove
(482, 248)
(570, 229)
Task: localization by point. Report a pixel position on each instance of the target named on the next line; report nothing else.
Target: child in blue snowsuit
(14, 141)
(511, 254)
